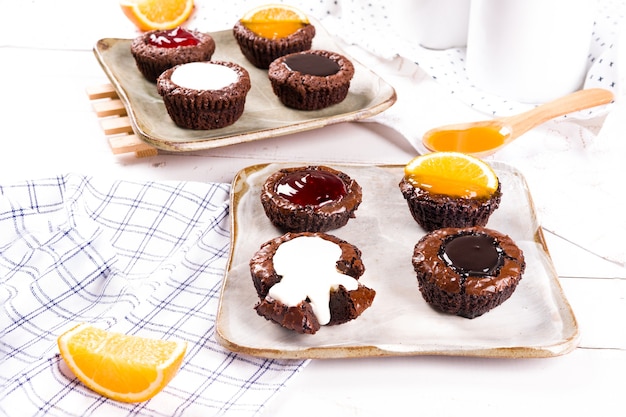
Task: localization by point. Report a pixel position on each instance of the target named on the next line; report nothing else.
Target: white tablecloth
(138, 258)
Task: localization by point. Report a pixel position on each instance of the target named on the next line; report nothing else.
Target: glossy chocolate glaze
(427, 259)
(312, 64)
(472, 254)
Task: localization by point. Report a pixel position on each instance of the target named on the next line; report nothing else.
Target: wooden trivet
(115, 122)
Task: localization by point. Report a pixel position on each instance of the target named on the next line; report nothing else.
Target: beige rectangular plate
(537, 321)
(264, 116)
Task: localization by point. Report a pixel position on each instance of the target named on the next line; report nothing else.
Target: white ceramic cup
(433, 24)
(529, 50)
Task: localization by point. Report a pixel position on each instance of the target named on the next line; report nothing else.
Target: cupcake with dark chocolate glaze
(311, 80)
(449, 189)
(158, 50)
(268, 32)
(308, 280)
(310, 198)
(204, 95)
(467, 271)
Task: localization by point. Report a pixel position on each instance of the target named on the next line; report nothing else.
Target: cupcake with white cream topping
(308, 280)
(204, 95)
(271, 31)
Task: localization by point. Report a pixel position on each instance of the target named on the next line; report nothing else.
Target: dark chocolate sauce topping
(311, 187)
(173, 38)
(472, 254)
(312, 64)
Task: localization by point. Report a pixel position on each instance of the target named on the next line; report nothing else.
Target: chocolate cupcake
(311, 80)
(158, 50)
(467, 271)
(307, 280)
(204, 95)
(310, 198)
(440, 197)
(263, 44)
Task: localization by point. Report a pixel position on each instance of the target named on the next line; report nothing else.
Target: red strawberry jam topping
(173, 38)
(311, 187)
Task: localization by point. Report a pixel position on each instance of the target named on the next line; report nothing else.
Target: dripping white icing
(308, 266)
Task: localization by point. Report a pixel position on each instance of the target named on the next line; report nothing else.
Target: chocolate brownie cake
(158, 50)
(467, 271)
(443, 199)
(262, 48)
(307, 280)
(311, 198)
(204, 95)
(311, 80)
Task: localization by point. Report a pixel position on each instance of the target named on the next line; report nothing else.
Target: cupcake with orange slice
(271, 31)
(450, 189)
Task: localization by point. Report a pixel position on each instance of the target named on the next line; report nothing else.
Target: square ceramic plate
(537, 321)
(264, 116)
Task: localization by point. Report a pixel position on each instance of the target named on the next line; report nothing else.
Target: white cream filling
(204, 76)
(308, 266)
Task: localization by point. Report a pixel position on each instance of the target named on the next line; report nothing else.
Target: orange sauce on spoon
(472, 140)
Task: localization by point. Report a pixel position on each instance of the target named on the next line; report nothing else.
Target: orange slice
(157, 14)
(274, 21)
(118, 366)
(452, 173)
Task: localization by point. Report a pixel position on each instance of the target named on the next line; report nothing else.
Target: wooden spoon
(486, 137)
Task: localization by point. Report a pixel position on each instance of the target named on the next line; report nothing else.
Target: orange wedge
(452, 173)
(118, 366)
(157, 14)
(274, 21)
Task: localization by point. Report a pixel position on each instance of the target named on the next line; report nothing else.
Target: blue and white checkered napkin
(138, 258)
